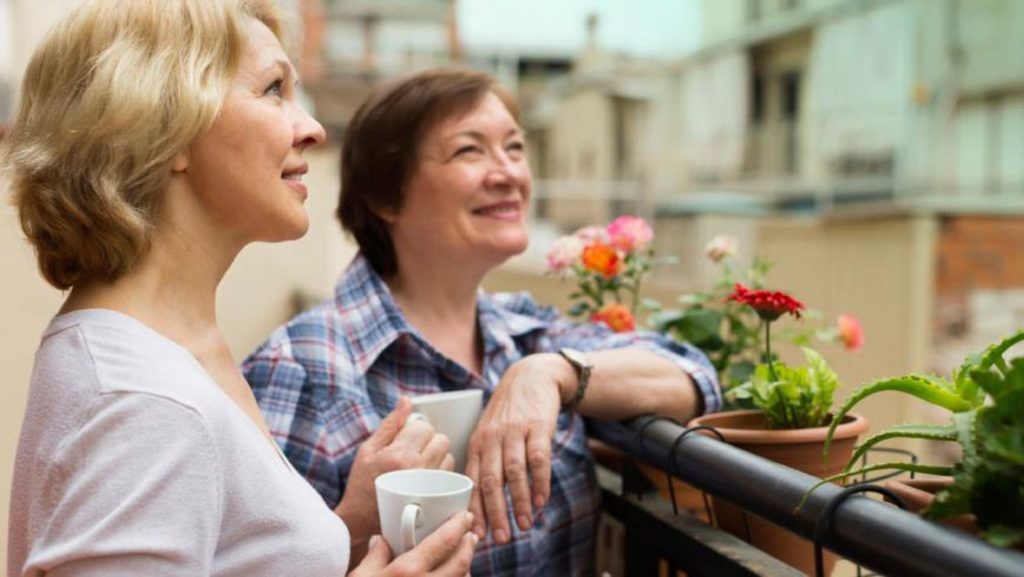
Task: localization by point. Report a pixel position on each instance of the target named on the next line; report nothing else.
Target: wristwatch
(581, 363)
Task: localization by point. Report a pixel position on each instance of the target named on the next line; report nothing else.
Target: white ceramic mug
(414, 502)
(452, 413)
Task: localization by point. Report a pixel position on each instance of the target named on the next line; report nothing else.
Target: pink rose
(592, 234)
(564, 253)
(629, 233)
(720, 247)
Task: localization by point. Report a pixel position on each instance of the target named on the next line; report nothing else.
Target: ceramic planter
(799, 449)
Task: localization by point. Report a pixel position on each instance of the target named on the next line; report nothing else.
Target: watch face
(576, 357)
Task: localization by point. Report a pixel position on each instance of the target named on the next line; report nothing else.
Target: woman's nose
(308, 132)
(508, 171)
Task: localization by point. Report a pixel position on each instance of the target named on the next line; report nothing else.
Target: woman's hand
(512, 443)
(394, 445)
(447, 552)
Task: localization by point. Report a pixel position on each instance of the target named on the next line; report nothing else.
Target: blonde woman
(155, 139)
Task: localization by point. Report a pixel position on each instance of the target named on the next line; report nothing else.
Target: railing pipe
(868, 532)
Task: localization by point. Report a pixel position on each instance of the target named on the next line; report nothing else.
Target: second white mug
(452, 413)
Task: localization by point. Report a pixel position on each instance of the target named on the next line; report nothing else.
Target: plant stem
(768, 350)
(634, 293)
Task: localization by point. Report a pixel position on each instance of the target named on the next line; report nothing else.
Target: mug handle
(413, 417)
(412, 517)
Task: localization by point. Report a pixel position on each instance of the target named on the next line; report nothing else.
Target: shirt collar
(501, 320)
(376, 319)
(379, 321)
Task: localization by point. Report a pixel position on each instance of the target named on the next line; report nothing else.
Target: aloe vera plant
(989, 479)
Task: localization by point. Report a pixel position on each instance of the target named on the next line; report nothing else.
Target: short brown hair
(380, 145)
(114, 92)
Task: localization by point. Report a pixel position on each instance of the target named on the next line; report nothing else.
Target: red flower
(616, 316)
(602, 259)
(769, 305)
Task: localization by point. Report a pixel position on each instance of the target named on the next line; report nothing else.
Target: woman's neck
(172, 289)
(442, 306)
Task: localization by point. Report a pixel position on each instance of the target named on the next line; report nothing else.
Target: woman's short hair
(115, 91)
(380, 145)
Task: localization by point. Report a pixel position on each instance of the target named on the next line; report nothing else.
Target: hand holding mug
(393, 446)
(414, 502)
(447, 552)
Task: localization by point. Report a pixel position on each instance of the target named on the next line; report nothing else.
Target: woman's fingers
(514, 455)
(538, 458)
(492, 488)
(448, 463)
(444, 543)
(376, 559)
(458, 564)
(415, 436)
(435, 450)
(476, 505)
(392, 425)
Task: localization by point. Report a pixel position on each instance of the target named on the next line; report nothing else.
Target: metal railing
(866, 531)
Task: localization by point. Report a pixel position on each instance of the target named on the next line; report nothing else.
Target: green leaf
(1004, 536)
(699, 325)
(906, 431)
(996, 352)
(924, 387)
(915, 468)
(649, 305)
(578, 309)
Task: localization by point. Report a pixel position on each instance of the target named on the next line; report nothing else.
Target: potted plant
(730, 332)
(985, 398)
(788, 424)
(608, 265)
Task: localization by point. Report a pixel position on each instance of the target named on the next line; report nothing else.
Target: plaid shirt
(326, 379)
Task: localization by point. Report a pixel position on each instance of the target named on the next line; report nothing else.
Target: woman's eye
(468, 149)
(275, 88)
(516, 146)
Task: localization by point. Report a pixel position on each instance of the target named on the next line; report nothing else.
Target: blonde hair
(116, 90)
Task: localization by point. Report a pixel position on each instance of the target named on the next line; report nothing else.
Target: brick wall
(975, 253)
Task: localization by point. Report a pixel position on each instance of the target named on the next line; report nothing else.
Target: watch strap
(583, 370)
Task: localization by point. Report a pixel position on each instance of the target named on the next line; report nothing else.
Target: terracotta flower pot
(918, 494)
(800, 449)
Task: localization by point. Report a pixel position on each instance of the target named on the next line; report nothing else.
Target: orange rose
(616, 316)
(602, 259)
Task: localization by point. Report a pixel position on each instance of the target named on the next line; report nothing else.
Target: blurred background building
(872, 149)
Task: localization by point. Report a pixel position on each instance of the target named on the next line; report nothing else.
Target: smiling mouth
(295, 174)
(499, 209)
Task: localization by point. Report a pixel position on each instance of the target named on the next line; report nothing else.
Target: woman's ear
(180, 163)
(388, 215)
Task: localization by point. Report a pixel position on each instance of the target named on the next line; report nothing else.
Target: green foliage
(796, 397)
(728, 332)
(988, 479)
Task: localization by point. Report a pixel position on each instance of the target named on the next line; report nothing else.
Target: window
(753, 10)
